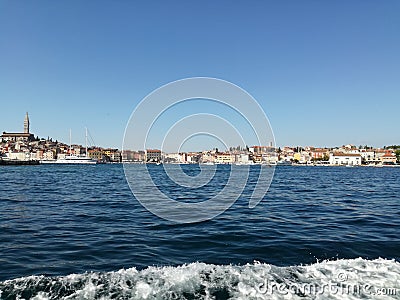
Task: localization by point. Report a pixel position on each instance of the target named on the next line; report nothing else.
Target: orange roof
(319, 150)
(346, 154)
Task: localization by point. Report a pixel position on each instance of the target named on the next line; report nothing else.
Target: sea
(78, 232)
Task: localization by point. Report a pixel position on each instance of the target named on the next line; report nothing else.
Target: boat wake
(340, 279)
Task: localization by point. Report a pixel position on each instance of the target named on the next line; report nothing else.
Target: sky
(325, 73)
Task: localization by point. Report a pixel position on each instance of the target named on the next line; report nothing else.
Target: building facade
(388, 158)
(223, 158)
(153, 155)
(345, 159)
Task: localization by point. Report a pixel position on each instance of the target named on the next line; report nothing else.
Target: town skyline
(24, 146)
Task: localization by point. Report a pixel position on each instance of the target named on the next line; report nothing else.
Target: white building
(207, 157)
(224, 158)
(18, 155)
(343, 159)
(175, 157)
(48, 155)
(368, 155)
(243, 159)
(270, 158)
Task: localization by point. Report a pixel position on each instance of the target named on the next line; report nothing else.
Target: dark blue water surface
(58, 220)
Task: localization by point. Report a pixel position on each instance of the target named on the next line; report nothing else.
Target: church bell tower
(26, 123)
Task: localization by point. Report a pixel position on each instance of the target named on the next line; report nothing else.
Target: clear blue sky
(325, 72)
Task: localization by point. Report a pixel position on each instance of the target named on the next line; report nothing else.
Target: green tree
(398, 155)
(395, 147)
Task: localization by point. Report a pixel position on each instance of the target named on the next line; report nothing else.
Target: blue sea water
(77, 232)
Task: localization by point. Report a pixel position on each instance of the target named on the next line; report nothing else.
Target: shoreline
(37, 162)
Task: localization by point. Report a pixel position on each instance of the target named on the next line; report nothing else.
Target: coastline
(37, 162)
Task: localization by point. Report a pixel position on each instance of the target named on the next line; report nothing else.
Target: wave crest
(340, 279)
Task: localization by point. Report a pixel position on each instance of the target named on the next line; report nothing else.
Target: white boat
(284, 163)
(245, 163)
(73, 159)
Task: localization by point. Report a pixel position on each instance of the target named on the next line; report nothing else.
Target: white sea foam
(340, 279)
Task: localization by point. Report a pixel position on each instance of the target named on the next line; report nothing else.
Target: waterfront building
(39, 154)
(153, 155)
(175, 157)
(130, 156)
(287, 154)
(343, 159)
(18, 155)
(319, 154)
(368, 156)
(127, 155)
(115, 156)
(379, 153)
(112, 155)
(96, 154)
(243, 158)
(49, 155)
(270, 158)
(139, 156)
(223, 158)
(389, 158)
(207, 157)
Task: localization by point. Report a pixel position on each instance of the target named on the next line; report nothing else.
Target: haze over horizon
(325, 73)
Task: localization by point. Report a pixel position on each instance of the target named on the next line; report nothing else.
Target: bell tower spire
(26, 123)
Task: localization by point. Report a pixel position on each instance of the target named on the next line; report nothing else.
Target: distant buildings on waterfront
(339, 156)
(24, 146)
(344, 155)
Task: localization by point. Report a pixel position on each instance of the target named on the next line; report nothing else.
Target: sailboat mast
(86, 140)
(70, 142)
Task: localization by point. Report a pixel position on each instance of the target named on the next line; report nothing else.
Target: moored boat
(73, 159)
